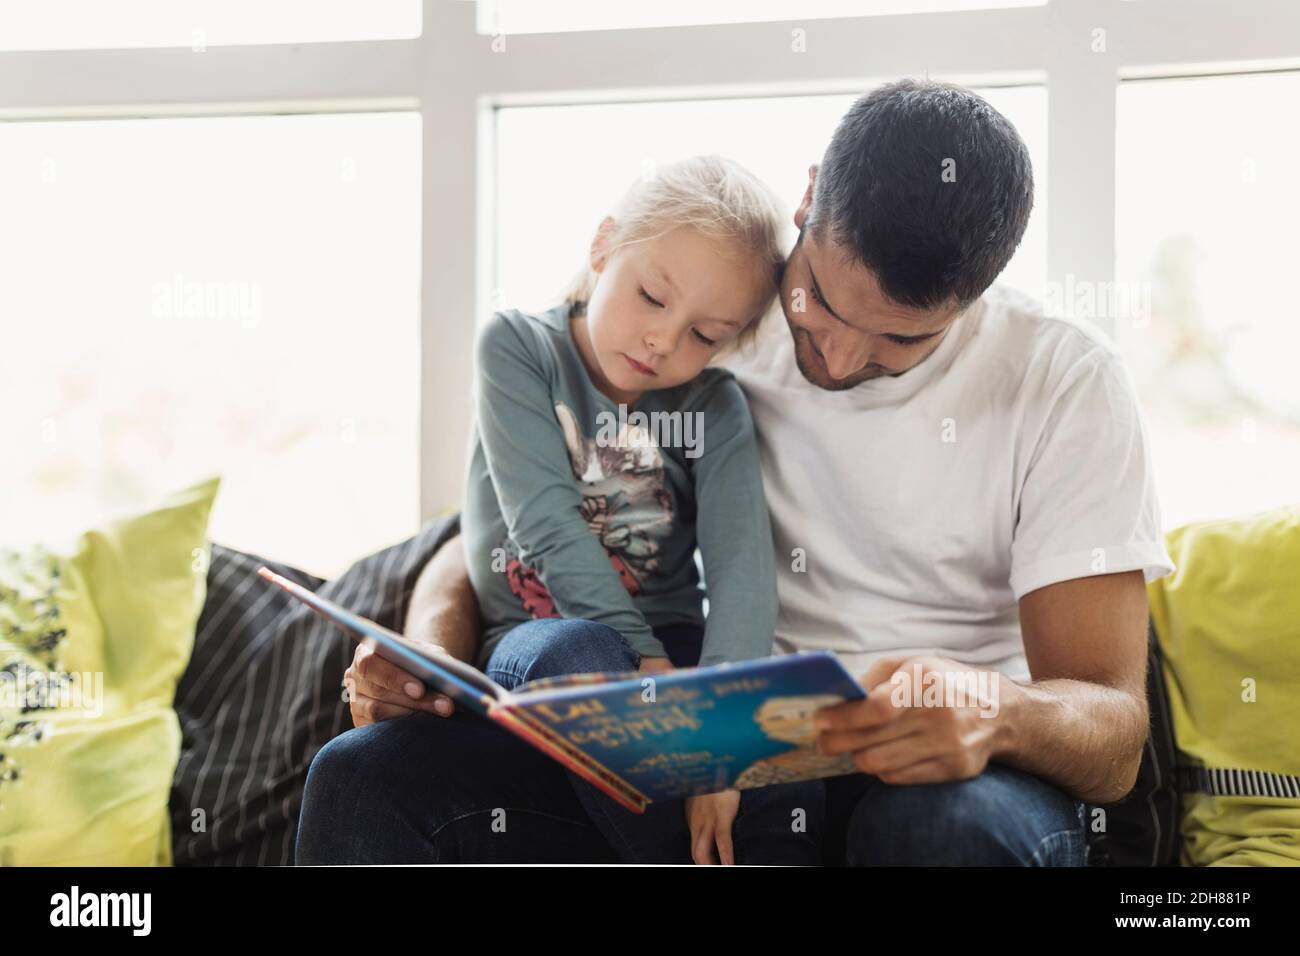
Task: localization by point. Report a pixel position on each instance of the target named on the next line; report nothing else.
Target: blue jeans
(427, 789)
(1003, 817)
(553, 647)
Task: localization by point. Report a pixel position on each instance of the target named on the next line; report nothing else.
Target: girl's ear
(600, 244)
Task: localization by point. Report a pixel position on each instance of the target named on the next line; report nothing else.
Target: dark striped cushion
(1142, 829)
(262, 694)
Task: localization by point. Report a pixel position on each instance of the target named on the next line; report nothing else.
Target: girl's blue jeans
(551, 647)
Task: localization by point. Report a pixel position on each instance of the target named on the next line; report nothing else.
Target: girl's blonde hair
(712, 194)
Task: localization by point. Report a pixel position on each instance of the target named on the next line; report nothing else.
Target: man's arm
(443, 612)
(444, 609)
(1083, 720)
(1081, 723)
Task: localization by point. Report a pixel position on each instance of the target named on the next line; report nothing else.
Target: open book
(643, 737)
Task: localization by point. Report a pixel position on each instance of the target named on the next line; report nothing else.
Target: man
(961, 499)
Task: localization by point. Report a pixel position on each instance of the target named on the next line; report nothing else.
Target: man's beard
(813, 372)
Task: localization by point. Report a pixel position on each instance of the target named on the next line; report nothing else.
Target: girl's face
(663, 308)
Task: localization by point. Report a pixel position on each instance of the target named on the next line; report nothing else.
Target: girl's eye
(646, 295)
(702, 338)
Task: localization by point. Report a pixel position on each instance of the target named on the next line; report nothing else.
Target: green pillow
(92, 644)
(1228, 623)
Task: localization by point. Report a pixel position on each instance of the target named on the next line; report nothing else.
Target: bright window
(197, 24)
(553, 16)
(561, 169)
(1207, 202)
(239, 296)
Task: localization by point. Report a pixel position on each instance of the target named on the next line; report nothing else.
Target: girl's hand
(655, 665)
(710, 818)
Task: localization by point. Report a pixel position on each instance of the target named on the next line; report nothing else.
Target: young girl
(581, 517)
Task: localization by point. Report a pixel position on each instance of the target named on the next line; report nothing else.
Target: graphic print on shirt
(624, 501)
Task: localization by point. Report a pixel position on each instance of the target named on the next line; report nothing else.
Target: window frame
(457, 78)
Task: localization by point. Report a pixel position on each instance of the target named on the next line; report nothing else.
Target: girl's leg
(778, 825)
(553, 647)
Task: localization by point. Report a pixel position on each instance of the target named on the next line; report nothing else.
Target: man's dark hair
(882, 192)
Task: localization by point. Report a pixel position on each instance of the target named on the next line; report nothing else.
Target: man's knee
(342, 775)
(426, 789)
(1003, 817)
(354, 761)
(360, 778)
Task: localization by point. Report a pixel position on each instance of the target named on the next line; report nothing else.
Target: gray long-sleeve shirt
(572, 511)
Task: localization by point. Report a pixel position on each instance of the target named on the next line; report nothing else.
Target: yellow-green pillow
(96, 639)
(1228, 623)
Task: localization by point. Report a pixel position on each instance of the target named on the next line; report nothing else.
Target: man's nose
(845, 354)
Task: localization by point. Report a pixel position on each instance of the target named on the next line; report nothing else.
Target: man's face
(845, 329)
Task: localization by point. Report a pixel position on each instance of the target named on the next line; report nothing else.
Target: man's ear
(600, 244)
(805, 204)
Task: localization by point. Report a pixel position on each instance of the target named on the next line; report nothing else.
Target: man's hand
(378, 690)
(896, 737)
(444, 615)
(710, 818)
(655, 665)
(1080, 723)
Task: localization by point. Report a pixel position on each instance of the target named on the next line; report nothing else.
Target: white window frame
(453, 76)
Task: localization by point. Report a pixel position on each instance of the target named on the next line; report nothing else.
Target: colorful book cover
(700, 730)
(643, 737)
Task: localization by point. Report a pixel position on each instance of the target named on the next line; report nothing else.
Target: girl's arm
(539, 497)
(734, 531)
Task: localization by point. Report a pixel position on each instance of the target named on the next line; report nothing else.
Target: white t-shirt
(927, 504)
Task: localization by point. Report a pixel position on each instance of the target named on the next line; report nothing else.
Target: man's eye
(646, 295)
(901, 341)
(705, 339)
